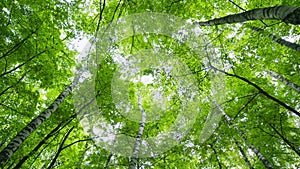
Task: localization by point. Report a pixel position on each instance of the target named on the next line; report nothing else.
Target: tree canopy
(149, 84)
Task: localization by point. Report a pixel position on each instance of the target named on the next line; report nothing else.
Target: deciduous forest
(178, 84)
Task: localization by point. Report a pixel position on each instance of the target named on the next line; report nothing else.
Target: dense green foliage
(38, 59)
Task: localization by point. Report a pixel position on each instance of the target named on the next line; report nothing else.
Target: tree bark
(136, 148)
(42, 142)
(243, 155)
(284, 80)
(261, 91)
(17, 141)
(278, 40)
(286, 140)
(261, 157)
(287, 14)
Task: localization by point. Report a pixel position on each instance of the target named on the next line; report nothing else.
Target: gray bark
(18, 140)
(244, 155)
(260, 90)
(261, 157)
(286, 140)
(287, 14)
(278, 40)
(265, 162)
(136, 148)
(284, 80)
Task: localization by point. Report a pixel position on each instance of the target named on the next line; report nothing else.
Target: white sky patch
(235, 30)
(43, 94)
(6, 10)
(84, 76)
(80, 43)
(147, 79)
(197, 31)
(292, 39)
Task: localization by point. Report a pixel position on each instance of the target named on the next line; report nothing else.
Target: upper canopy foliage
(38, 59)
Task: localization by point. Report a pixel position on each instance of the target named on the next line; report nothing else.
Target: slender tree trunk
(243, 154)
(108, 160)
(261, 157)
(265, 162)
(136, 148)
(260, 90)
(278, 40)
(217, 157)
(9, 87)
(60, 148)
(286, 140)
(17, 141)
(82, 156)
(32, 57)
(42, 142)
(288, 14)
(19, 44)
(284, 80)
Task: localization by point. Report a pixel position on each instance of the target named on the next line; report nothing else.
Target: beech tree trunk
(60, 126)
(260, 90)
(261, 157)
(287, 14)
(278, 40)
(243, 154)
(136, 148)
(284, 80)
(17, 141)
(295, 149)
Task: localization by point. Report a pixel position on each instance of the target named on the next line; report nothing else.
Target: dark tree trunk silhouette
(217, 157)
(295, 149)
(260, 156)
(18, 140)
(287, 14)
(42, 142)
(19, 44)
(278, 40)
(17, 67)
(108, 160)
(243, 154)
(60, 148)
(260, 90)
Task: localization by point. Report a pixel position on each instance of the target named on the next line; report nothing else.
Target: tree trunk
(217, 157)
(17, 67)
(284, 80)
(278, 40)
(42, 142)
(108, 160)
(265, 162)
(261, 157)
(288, 14)
(243, 155)
(17, 141)
(60, 148)
(136, 148)
(286, 140)
(260, 90)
